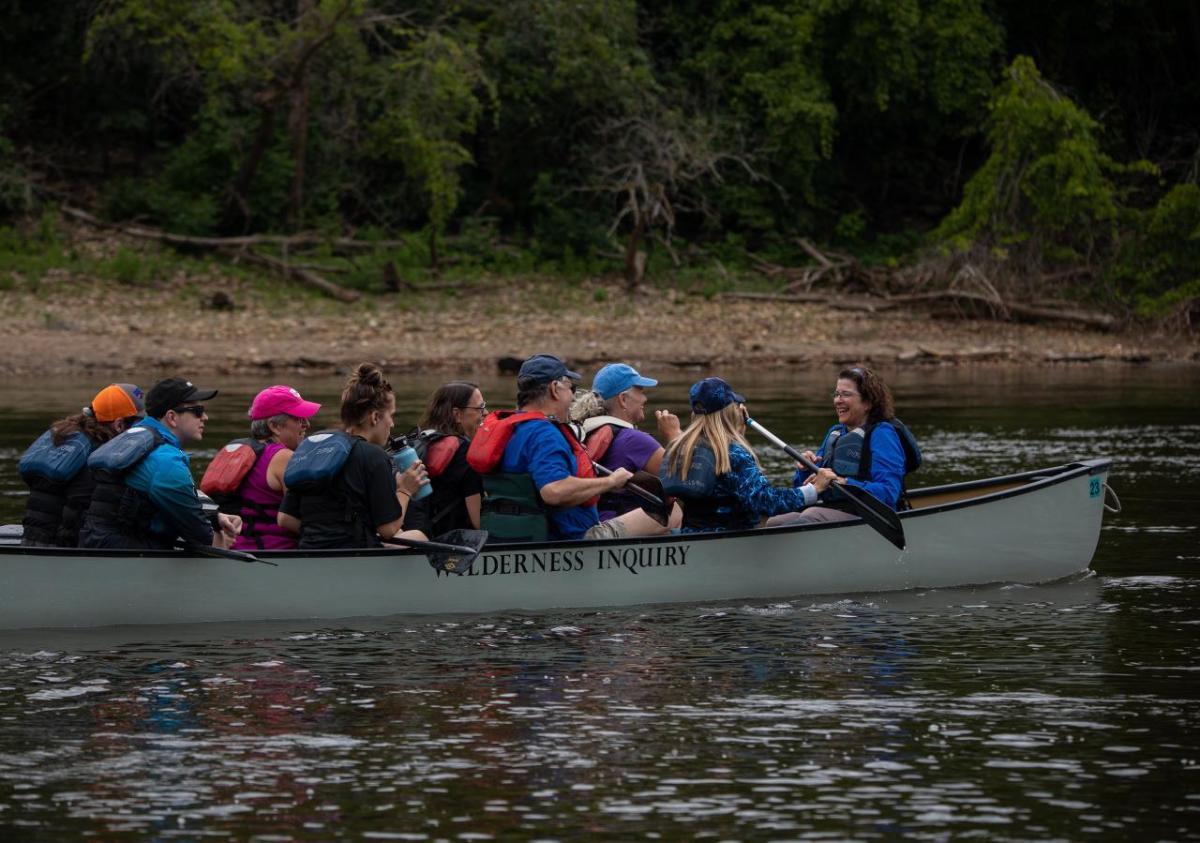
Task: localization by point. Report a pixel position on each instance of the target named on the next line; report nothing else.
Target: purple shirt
(630, 449)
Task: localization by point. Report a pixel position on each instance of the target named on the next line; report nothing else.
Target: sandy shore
(73, 325)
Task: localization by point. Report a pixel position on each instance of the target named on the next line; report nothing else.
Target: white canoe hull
(1032, 527)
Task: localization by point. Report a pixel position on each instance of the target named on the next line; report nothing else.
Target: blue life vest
(60, 487)
(116, 507)
(702, 510)
(850, 455)
(317, 460)
(119, 455)
(55, 463)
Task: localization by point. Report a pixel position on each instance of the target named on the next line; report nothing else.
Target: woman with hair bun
(868, 447)
(55, 466)
(342, 488)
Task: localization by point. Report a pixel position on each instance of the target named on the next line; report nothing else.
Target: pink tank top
(259, 528)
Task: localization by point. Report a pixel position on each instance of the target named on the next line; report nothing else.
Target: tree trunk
(298, 132)
(237, 209)
(635, 258)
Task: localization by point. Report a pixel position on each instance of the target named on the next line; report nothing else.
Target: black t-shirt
(368, 481)
(446, 508)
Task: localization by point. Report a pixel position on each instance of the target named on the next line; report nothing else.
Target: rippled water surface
(1064, 711)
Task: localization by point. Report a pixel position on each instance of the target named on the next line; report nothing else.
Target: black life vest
(115, 505)
(314, 473)
(702, 509)
(60, 487)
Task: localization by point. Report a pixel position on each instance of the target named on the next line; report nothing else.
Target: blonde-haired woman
(712, 469)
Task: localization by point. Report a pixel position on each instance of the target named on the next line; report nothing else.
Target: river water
(1065, 711)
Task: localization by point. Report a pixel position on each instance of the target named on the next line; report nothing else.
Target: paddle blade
(467, 544)
(878, 514)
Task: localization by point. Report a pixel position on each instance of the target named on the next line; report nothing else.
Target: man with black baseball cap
(145, 496)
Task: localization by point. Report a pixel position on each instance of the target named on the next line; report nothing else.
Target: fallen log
(236, 247)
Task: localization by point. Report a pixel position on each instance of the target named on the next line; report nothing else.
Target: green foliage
(1047, 189)
(1159, 265)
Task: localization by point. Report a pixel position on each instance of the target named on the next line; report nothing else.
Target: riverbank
(68, 323)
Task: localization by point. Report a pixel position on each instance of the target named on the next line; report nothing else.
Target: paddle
(454, 552)
(881, 517)
(222, 553)
(644, 494)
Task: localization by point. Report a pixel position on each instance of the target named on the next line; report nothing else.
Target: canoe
(1031, 527)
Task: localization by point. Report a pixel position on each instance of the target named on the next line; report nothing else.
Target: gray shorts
(613, 528)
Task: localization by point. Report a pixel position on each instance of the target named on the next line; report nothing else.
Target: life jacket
(229, 468)
(58, 482)
(435, 448)
(702, 509)
(512, 509)
(850, 456)
(115, 504)
(313, 473)
(597, 434)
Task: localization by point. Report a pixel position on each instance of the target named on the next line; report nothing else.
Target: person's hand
(619, 478)
(823, 478)
(811, 457)
(668, 424)
(229, 527)
(411, 481)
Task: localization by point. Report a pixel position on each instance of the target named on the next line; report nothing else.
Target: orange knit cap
(118, 401)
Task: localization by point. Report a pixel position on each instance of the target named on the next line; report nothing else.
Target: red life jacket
(229, 468)
(493, 436)
(600, 440)
(436, 449)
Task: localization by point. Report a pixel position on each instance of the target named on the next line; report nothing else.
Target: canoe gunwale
(1031, 482)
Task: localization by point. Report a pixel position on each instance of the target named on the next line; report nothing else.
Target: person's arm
(802, 474)
(474, 504)
(757, 495)
(573, 491)
(289, 513)
(173, 492)
(887, 466)
(278, 466)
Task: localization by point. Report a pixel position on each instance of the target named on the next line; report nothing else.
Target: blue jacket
(165, 477)
(887, 463)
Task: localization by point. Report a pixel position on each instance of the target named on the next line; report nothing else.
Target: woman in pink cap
(246, 477)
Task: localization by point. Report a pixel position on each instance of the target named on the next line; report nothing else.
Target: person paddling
(538, 477)
(55, 466)
(868, 447)
(342, 488)
(145, 496)
(714, 472)
(246, 476)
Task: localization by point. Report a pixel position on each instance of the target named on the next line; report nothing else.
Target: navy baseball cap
(615, 378)
(712, 395)
(543, 368)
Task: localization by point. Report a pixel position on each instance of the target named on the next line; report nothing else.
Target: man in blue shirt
(151, 502)
(541, 449)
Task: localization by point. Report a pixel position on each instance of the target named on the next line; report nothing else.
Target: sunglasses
(196, 410)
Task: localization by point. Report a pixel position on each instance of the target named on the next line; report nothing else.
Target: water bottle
(403, 459)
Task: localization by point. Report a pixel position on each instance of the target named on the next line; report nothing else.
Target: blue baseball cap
(544, 368)
(615, 378)
(712, 395)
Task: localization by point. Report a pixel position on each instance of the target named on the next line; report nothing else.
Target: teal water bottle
(403, 459)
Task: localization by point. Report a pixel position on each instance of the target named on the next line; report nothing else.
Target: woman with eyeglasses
(454, 413)
(712, 470)
(868, 447)
(246, 476)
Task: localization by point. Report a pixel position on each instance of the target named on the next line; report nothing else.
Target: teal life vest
(512, 510)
